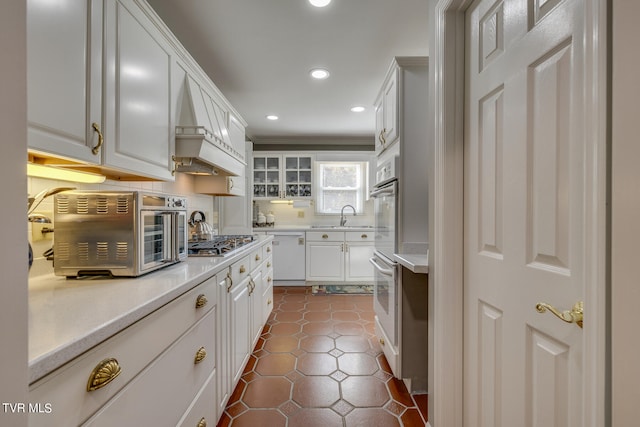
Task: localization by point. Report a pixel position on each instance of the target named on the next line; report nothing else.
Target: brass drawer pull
(268, 248)
(201, 301)
(268, 264)
(200, 355)
(257, 257)
(381, 341)
(364, 236)
(269, 279)
(325, 236)
(104, 372)
(242, 269)
(202, 422)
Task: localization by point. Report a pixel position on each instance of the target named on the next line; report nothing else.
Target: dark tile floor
(318, 363)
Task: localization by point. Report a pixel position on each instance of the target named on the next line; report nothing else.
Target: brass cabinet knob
(325, 236)
(242, 269)
(269, 301)
(269, 279)
(201, 301)
(257, 257)
(381, 341)
(268, 248)
(268, 264)
(200, 355)
(364, 236)
(575, 315)
(104, 372)
(202, 422)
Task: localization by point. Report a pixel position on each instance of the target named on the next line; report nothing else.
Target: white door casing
(522, 237)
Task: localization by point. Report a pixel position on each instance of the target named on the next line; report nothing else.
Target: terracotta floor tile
(370, 417)
(364, 391)
(319, 363)
(276, 364)
(316, 392)
(285, 328)
(352, 343)
(281, 344)
(317, 344)
(313, 417)
(357, 364)
(256, 418)
(422, 401)
(345, 316)
(267, 392)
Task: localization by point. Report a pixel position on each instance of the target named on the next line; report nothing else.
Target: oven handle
(384, 190)
(385, 271)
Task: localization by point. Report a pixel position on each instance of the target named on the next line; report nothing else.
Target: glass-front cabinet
(282, 176)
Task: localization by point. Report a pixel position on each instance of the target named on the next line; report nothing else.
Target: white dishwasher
(289, 256)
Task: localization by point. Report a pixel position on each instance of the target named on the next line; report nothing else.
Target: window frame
(361, 190)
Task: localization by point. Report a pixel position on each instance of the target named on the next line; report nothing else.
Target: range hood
(203, 145)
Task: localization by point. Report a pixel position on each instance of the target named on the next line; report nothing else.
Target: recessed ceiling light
(319, 73)
(272, 117)
(357, 109)
(319, 3)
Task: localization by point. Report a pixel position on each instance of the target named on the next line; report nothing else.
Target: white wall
(13, 259)
(625, 213)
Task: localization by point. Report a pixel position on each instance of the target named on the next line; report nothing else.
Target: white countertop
(418, 263)
(70, 316)
(311, 228)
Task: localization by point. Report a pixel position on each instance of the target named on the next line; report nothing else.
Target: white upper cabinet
(138, 112)
(64, 74)
(99, 87)
(282, 176)
(387, 112)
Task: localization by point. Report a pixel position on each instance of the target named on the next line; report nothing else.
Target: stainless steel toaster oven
(117, 233)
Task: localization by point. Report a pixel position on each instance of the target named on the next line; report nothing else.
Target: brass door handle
(96, 127)
(230, 280)
(575, 315)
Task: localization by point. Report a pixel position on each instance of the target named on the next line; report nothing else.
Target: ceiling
(259, 54)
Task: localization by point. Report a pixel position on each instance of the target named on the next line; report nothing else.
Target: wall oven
(117, 233)
(385, 296)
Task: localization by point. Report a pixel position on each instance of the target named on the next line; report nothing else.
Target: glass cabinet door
(298, 176)
(266, 176)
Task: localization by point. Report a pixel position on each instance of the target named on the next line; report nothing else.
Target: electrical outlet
(300, 214)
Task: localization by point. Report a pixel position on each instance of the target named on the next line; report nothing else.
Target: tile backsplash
(183, 186)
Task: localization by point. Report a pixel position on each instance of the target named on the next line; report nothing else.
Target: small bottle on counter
(261, 219)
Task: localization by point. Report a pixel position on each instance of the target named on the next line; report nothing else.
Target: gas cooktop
(218, 246)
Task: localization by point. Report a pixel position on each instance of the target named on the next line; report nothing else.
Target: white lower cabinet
(339, 256)
(161, 393)
(176, 366)
(179, 328)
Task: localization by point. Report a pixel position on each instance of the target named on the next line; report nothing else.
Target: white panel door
(524, 217)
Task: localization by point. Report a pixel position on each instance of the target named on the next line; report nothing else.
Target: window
(340, 183)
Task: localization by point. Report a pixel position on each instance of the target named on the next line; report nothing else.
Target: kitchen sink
(341, 226)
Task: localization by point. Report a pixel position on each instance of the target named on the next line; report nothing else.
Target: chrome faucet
(343, 220)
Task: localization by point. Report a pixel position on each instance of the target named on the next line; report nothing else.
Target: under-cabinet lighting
(281, 202)
(49, 172)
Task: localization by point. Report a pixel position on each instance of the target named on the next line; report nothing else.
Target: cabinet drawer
(241, 269)
(257, 257)
(162, 393)
(359, 236)
(133, 348)
(201, 407)
(325, 236)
